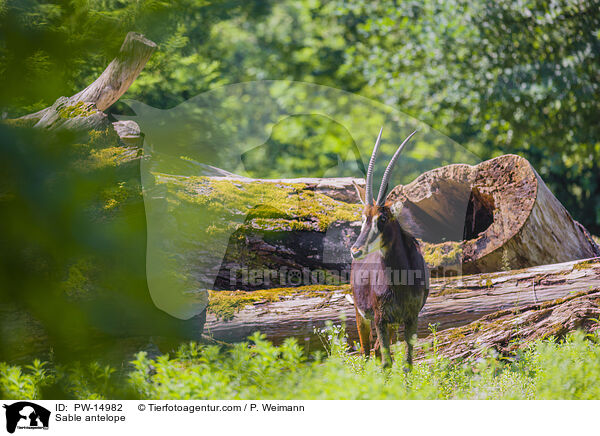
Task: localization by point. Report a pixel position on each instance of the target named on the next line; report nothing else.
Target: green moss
(441, 255)
(267, 206)
(586, 264)
(277, 224)
(110, 156)
(80, 109)
(553, 303)
(80, 279)
(117, 195)
(225, 304)
(461, 332)
(103, 150)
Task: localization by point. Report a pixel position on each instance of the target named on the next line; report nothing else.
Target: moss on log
(453, 302)
(495, 216)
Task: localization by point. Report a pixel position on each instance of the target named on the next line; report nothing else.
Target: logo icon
(26, 415)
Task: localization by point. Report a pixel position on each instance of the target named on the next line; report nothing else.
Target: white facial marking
(374, 237)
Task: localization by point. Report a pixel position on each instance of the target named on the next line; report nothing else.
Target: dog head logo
(26, 415)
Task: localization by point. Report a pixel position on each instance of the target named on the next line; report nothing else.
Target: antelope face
(374, 221)
(376, 215)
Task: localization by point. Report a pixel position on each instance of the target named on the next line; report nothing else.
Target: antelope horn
(369, 181)
(388, 171)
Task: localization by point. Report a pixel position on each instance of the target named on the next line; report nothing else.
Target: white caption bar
(247, 417)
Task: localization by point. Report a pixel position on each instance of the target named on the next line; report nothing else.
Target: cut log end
(500, 211)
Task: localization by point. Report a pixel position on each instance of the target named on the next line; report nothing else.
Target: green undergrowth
(548, 369)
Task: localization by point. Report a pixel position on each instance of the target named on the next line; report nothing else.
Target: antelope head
(376, 216)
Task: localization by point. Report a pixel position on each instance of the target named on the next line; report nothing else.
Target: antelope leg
(384, 344)
(364, 333)
(410, 333)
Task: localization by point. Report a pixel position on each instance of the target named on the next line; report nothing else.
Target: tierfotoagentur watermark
(245, 277)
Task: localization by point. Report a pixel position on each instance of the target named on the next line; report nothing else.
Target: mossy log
(497, 215)
(243, 227)
(84, 110)
(453, 302)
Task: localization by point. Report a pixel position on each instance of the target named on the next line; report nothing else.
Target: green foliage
(49, 50)
(24, 383)
(74, 232)
(575, 375)
(92, 381)
(258, 369)
(497, 77)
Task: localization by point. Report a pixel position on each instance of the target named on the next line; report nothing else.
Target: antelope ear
(360, 192)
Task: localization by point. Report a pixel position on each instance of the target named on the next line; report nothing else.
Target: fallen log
(498, 215)
(509, 330)
(84, 110)
(500, 212)
(453, 302)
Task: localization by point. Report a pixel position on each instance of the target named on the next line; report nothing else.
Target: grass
(569, 369)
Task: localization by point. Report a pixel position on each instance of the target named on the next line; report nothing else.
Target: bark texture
(508, 330)
(120, 73)
(453, 302)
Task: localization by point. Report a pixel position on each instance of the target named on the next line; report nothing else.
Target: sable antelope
(389, 278)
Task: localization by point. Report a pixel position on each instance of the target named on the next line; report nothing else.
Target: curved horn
(388, 171)
(369, 181)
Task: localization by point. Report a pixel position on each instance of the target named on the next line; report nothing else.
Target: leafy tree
(500, 77)
(49, 49)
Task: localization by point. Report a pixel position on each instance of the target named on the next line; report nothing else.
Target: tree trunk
(495, 216)
(508, 330)
(500, 211)
(83, 111)
(453, 302)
